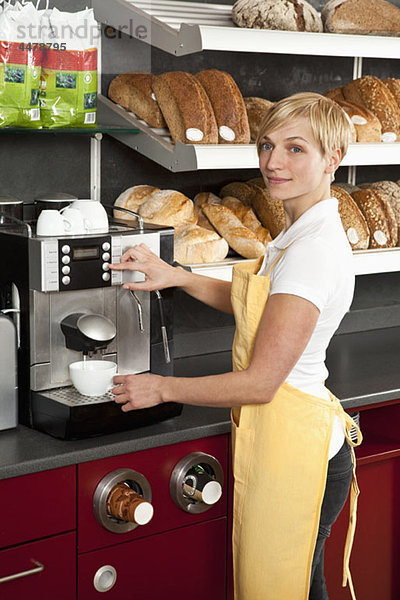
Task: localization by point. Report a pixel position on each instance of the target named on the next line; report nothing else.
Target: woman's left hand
(137, 391)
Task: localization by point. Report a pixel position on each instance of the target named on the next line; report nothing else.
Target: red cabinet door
(375, 557)
(56, 580)
(186, 563)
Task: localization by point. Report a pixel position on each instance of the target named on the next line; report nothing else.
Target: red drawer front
(58, 578)
(185, 563)
(156, 465)
(38, 505)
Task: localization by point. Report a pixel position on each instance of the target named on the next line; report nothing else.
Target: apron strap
(268, 273)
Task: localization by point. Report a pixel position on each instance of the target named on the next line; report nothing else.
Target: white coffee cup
(50, 222)
(73, 221)
(94, 215)
(92, 377)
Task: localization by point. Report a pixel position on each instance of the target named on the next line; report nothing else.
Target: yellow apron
(280, 462)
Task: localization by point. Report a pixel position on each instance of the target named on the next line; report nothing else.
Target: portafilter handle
(19, 221)
(131, 212)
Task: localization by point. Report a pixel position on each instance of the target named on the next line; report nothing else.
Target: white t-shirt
(318, 266)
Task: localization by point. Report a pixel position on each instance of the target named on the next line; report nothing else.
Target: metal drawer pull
(38, 569)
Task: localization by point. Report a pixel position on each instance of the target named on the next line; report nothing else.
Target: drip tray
(71, 397)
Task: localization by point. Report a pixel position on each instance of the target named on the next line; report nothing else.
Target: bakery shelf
(182, 28)
(157, 145)
(366, 262)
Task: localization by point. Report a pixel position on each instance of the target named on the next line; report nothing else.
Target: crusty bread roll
(291, 15)
(168, 207)
(248, 218)
(133, 91)
(390, 191)
(240, 190)
(394, 86)
(335, 93)
(256, 109)
(239, 238)
(132, 199)
(372, 93)
(186, 108)
(353, 221)
(194, 245)
(368, 17)
(228, 106)
(270, 212)
(206, 198)
(379, 216)
(367, 126)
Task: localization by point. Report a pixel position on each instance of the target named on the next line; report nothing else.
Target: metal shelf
(182, 28)
(386, 260)
(157, 145)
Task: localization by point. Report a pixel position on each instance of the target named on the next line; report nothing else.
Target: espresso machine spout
(87, 333)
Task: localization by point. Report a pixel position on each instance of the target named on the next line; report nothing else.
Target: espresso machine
(59, 282)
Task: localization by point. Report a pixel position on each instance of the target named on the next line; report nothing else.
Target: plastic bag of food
(68, 86)
(20, 58)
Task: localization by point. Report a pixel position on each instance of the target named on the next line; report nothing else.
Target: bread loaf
(347, 187)
(367, 126)
(168, 207)
(186, 108)
(248, 218)
(379, 216)
(367, 17)
(194, 245)
(394, 86)
(206, 198)
(270, 212)
(132, 199)
(353, 221)
(256, 109)
(240, 190)
(239, 238)
(228, 106)
(335, 93)
(372, 93)
(291, 15)
(391, 192)
(202, 220)
(133, 91)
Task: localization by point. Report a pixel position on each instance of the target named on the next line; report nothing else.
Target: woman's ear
(333, 161)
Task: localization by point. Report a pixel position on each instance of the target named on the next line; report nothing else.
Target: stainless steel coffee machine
(61, 279)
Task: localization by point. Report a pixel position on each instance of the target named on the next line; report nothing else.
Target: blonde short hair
(329, 123)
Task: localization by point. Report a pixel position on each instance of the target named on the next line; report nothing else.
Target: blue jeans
(338, 482)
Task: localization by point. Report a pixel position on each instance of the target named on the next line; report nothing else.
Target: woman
(292, 463)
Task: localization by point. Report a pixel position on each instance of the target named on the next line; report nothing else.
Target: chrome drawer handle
(38, 569)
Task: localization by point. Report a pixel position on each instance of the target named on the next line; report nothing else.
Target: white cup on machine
(92, 377)
(94, 215)
(73, 221)
(50, 223)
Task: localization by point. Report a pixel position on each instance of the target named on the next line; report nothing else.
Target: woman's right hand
(157, 273)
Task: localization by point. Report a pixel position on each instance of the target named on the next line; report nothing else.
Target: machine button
(66, 249)
(106, 266)
(66, 260)
(66, 270)
(106, 256)
(106, 276)
(66, 280)
(106, 246)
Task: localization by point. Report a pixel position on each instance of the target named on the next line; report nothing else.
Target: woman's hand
(137, 391)
(157, 273)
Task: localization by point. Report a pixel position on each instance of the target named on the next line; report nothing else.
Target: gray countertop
(364, 371)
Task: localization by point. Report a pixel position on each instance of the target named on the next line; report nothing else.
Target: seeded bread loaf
(131, 199)
(394, 86)
(133, 91)
(239, 238)
(186, 108)
(372, 93)
(353, 221)
(379, 216)
(367, 126)
(248, 218)
(168, 207)
(195, 245)
(238, 189)
(391, 191)
(367, 17)
(228, 106)
(291, 15)
(256, 109)
(270, 212)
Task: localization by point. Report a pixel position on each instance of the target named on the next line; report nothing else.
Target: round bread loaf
(366, 125)
(353, 221)
(256, 109)
(391, 191)
(270, 212)
(131, 199)
(379, 216)
(290, 15)
(238, 189)
(372, 93)
(228, 106)
(168, 207)
(195, 245)
(368, 17)
(133, 91)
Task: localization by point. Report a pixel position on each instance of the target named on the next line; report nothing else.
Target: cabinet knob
(105, 578)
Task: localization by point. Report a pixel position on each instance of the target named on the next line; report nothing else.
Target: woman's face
(292, 163)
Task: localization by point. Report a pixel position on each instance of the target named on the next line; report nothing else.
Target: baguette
(133, 91)
(248, 218)
(240, 238)
(379, 216)
(353, 221)
(195, 245)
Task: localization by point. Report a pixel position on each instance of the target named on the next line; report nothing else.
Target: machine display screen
(86, 253)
